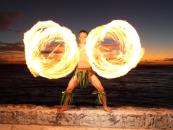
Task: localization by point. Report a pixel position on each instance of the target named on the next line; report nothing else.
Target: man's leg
(97, 84)
(71, 85)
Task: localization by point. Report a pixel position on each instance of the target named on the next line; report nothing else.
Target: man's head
(82, 36)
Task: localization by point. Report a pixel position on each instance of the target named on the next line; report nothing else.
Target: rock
(121, 117)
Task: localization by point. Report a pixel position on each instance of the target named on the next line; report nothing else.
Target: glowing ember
(50, 50)
(114, 49)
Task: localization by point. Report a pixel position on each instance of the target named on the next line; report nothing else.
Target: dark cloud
(8, 18)
(18, 46)
(169, 59)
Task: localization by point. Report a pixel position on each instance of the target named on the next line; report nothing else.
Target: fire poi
(110, 50)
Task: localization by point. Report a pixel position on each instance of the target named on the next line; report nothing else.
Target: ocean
(143, 86)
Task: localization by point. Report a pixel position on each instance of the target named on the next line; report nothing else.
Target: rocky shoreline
(125, 117)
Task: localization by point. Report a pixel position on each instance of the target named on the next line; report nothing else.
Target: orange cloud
(151, 54)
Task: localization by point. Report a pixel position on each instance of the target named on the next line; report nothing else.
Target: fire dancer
(83, 75)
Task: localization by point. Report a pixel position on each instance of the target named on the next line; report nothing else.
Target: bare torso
(83, 59)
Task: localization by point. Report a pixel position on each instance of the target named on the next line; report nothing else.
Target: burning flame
(113, 49)
(51, 50)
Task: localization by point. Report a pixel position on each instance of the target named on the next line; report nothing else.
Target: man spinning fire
(83, 75)
(110, 50)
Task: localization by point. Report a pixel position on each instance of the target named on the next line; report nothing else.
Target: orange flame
(114, 49)
(47, 61)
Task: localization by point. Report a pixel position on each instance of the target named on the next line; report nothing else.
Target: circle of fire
(50, 50)
(113, 49)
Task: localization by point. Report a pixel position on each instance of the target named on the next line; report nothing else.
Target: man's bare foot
(107, 109)
(62, 109)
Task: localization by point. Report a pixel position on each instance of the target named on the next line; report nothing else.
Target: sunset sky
(152, 19)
